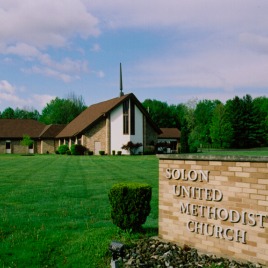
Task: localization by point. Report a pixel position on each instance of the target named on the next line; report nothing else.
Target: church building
(108, 125)
(104, 126)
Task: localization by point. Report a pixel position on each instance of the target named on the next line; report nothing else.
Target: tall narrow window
(126, 117)
(132, 118)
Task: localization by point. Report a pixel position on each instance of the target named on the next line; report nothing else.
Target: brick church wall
(218, 205)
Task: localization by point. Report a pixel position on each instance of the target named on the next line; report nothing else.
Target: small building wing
(169, 133)
(169, 140)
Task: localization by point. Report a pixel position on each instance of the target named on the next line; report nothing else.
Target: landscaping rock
(153, 253)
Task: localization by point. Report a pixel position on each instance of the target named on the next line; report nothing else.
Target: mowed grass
(54, 210)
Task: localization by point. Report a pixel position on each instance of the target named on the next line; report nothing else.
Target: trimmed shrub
(62, 149)
(78, 149)
(68, 152)
(119, 152)
(90, 152)
(130, 204)
(101, 152)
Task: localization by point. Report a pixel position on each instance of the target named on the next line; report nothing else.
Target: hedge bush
(130, 204)
(62, 149)
(78, 149)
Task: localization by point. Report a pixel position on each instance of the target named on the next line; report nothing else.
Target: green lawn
(54, 210)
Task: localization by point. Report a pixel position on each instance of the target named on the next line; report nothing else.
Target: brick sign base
(218, 205)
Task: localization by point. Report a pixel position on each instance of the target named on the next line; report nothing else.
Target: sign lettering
(208, 211)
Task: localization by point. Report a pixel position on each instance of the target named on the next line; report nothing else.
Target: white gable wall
(138, 137)
(117, 136)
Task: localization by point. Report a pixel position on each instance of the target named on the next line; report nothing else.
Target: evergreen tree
(260, 106)
(252, 125)
(244, 122)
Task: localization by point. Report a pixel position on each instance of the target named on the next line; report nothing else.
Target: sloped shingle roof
(95, 112)
(16, 128)
(51, 131)
(170, 133)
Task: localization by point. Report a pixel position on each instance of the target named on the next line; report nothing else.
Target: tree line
(57, 111)
(239, 123)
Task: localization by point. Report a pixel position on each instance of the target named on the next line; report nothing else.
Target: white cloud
(227, 69)
(49, 72)
(10, 97)
(29, 28)
(66, 70)
(202, 44)
(206, 14)
(67, 65)
(212, 44)
(22, 50)
(44, 23)
(6, 87)
(12, 100)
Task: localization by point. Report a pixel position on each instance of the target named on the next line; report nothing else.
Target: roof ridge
(110, 100)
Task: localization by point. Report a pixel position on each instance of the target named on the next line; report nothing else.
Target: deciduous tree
(62, 111)
(8, 113)
(26, 113)
(161, 113)
(221, 131)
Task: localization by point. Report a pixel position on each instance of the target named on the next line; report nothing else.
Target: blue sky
(172, 51)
